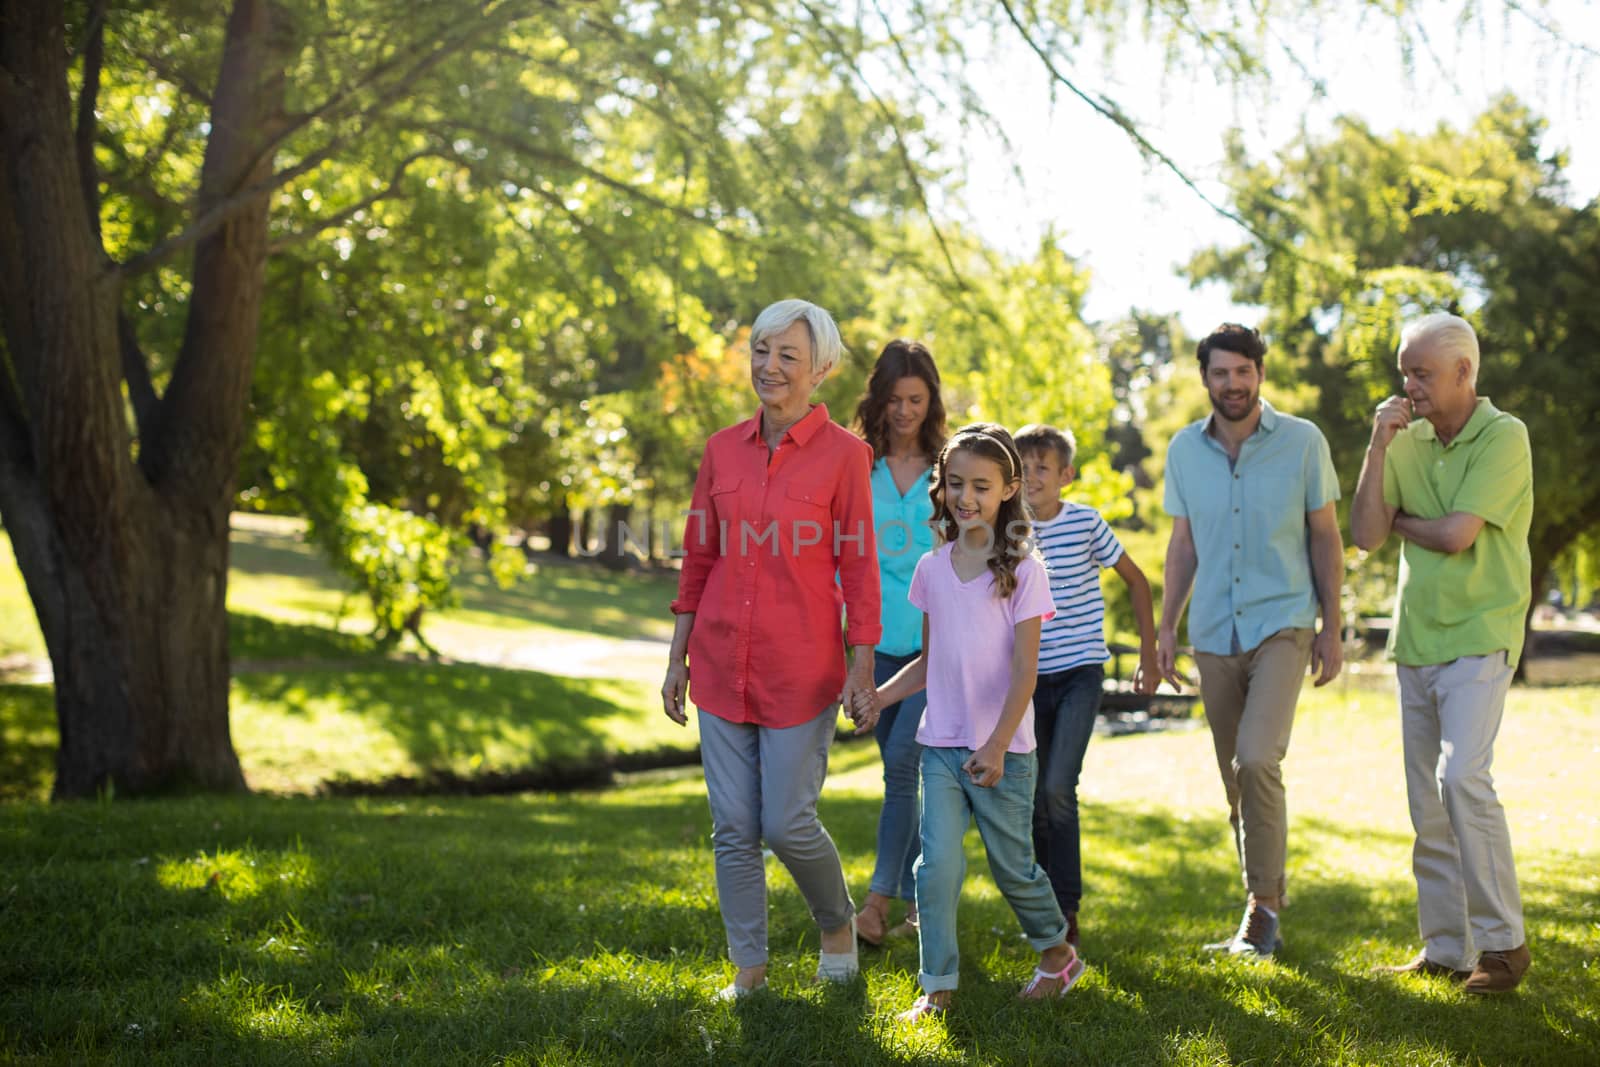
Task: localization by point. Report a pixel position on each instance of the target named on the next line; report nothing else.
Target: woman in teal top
(902, 418)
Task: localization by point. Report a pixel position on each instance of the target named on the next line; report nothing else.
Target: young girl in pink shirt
(983, 596)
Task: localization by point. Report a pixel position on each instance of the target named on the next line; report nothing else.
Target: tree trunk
(560, 527)
(126, 559)
(616, 556)
(138, 639)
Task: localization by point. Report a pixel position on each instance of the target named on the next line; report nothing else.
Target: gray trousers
(1467, 899)
(763, 784)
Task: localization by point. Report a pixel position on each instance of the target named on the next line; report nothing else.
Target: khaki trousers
(1467, 898)
(1250, 699)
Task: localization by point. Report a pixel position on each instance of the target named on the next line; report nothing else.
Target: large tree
(1360, 232)
(153, 158)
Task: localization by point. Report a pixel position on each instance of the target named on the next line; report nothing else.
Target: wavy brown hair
(1013, 540)
(899, 359)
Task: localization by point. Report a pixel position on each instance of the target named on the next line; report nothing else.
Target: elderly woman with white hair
(782, 507)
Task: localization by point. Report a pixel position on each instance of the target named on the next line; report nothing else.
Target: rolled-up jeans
(1004, 813)
(763, 785)
(898, 836)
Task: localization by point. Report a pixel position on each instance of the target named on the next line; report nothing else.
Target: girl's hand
(864, 708)
(673, 692)
(987, 765)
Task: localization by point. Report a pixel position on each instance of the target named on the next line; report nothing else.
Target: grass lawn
(319, 706)
(276, 574)
(338, 714)
(582, 928)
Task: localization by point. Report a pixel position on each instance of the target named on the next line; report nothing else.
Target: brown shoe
(1421, 964)
(1499, 972)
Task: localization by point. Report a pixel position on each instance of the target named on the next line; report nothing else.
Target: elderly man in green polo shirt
(1453, 476)
(1255, 536)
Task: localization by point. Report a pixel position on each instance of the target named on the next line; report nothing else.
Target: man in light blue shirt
(1255, 536)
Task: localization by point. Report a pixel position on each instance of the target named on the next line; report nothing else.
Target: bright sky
(1132, 225)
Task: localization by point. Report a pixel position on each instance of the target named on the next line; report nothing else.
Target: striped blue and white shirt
(1076, 545)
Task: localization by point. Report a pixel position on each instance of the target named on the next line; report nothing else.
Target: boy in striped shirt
(1076, 544)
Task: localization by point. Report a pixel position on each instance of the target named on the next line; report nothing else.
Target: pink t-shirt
(971, 633)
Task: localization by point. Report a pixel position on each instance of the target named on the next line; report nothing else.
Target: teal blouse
(901, 524)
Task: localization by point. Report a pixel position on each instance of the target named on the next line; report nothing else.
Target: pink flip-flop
(1068, 977)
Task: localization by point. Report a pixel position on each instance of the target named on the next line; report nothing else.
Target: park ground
(341, 915)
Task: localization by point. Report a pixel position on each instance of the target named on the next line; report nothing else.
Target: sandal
(924, 1008)
(1068, 977)
(861, 934)
(907, 928)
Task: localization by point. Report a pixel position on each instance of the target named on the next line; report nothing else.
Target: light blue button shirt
(901, 523)
(1249, 526)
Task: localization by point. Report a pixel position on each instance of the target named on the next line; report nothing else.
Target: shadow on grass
(584, 928)
(551, 732)
(252, 638)
(28, 741)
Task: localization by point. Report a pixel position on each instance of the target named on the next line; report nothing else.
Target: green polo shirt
(1468, 603)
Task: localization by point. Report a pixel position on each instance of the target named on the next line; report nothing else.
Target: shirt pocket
(805, 517)
(724, 510)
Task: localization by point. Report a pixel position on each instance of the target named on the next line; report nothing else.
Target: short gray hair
(1450, 334)
(826, 347)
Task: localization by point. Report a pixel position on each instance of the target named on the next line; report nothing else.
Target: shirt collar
(1482, 415)
(802, 431)
(1268, 423)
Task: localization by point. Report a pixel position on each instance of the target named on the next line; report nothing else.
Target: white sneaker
(840, 966)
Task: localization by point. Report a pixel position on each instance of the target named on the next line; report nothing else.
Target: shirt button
(1236, 511)
(1235, 477)
(1238, 613)
(1236, 581)
(1236, 548)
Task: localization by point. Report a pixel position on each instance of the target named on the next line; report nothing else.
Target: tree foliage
(1361, 232)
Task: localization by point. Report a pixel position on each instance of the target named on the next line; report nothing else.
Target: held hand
(1327, 655)
(1167, 660)
(673, 692)
(1393, 415)
(986, 766)
(860, 703)
(863, 709)
(1148, 677)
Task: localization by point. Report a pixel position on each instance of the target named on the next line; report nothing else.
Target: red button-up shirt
(764, 541)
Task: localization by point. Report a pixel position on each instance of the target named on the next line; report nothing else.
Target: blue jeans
(950, 801)
(896, 734)
(1064, 708)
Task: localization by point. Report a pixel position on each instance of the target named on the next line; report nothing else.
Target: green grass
(276, 574)
(583, 928)
(19, 629)
(342, 716)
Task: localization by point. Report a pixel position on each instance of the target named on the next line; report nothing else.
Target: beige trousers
(1250, 699)
(1467, 898)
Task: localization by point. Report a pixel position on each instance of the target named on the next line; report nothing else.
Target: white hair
(1450, 335)
(826, 347)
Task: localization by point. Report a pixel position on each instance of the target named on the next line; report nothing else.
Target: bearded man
(1255, 538)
